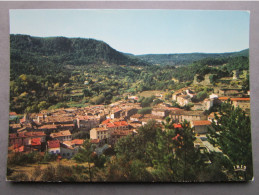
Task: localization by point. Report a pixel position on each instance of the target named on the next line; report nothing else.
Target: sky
(141, 31)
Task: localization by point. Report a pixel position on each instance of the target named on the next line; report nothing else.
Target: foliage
(81, 135)
(231, 132)
(24, 158)
(146, 110)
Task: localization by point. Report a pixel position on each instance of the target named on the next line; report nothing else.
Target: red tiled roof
(94, 141)
(12, 114)
(83, 117)
(240, 99)
(48, 127)
(20, 149)
(22, 120)
(177, 125)
(78, 141)
(234, 99)
(224, 98)
(110, 125)
(212, 115)
(121, 123)
(106, 121)
(200, 123)
(60, 134)
(12, 135)
(121, 132)
(31, 134)
(172, 108)
(54, 144)
(35, 142)
(175, 138)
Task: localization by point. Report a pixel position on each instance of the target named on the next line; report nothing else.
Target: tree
(86, 154)
(231, 132)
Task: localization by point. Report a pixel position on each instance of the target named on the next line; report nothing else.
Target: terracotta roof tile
(35, 141)
(60, 134)
(78, 141)
(201, 123)
(53, 144)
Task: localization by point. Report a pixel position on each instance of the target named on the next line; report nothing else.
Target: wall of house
(93, 134)
(67, 153)
(54, 150)
(201, 129)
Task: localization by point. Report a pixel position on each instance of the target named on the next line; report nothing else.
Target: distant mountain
(184, 59)
(72, 51)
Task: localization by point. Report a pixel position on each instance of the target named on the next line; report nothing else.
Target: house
(136, 117)
(160, 112)
(74, 143)
(100, 133)
(213, 96)
(47, 128)
(243, 103)
(67, 151)
(115, 125)
(158, 118)
(183, 100)
(190, 93)
(117, 134)
(69, 127)
(95, 142)
(230, 91)
(116, 113)
(12, 115)
(200, 126)
(62, 135)
(53, 146)
(211, 117)
(85, 123)
(181, 115)
(33, 144)
(15, 127)
(208, 103)
(24, 137)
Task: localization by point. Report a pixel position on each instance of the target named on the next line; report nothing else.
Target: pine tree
(231, 132)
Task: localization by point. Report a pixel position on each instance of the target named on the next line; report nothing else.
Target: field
(150, 93)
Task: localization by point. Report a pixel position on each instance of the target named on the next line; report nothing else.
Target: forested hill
(185, 59)
(67, 51)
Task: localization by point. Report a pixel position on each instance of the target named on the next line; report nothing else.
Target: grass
(149, 93)
(29, 169)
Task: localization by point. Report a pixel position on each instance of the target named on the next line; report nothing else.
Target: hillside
(58, 51)
(185, 59)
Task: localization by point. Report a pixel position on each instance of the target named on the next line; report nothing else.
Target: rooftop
(60, 134)
(35, 141)
(54, 144)
(201, 123)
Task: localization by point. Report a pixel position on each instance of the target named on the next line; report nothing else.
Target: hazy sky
(141, 31)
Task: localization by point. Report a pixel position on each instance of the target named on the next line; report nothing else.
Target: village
(53, 131)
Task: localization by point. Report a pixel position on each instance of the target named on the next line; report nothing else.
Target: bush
(22, 159)
(97, 100)
(146, 110)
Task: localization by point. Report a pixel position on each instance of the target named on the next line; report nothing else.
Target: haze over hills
(187, 58)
